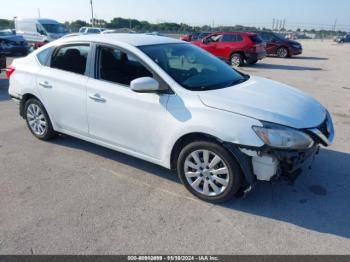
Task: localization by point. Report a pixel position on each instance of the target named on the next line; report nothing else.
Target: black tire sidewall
(49, 132)
(235, 172)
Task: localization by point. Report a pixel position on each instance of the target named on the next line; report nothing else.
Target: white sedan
(172, 104)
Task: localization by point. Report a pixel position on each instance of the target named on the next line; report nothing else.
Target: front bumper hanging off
(267, 163)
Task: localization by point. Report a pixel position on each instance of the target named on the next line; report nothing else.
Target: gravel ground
(71, 197)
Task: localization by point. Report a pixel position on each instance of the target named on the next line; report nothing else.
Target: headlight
(283, 137)
(297, 46)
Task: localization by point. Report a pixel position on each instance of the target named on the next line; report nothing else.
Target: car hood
(56, 35)
(268, 101)
(13, 38)
(292, 42)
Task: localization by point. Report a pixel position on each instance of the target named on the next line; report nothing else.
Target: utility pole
(335, 24)
(14, 22)
(273, 24)
(284, 24)
(92, 13)
(38, 12)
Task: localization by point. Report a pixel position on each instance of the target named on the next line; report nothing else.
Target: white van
(39, 31)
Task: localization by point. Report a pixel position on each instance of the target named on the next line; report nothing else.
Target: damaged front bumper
(267, 163)
(270, 164)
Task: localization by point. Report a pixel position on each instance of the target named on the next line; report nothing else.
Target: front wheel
(209, 171)
(38, 120)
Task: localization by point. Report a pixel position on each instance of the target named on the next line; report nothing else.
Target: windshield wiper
(238, 81)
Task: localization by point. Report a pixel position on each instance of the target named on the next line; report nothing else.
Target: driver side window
(214, 38)
(117, 66)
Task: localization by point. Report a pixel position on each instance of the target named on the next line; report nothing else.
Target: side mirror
(205, 41)
(144, 85)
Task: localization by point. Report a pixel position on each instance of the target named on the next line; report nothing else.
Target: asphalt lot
(71, 197)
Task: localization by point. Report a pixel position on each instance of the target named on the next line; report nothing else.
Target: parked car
(91, 30)
(278, 45)
(172, 104)
(39, 31)
(343, 39)
(186, 37)
(234, 47)
(194, 36)
(155, 33)
(71, 35)
(2, 62)
(12, 44)
(119, 31)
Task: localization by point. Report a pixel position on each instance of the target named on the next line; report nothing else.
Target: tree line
(166, 27)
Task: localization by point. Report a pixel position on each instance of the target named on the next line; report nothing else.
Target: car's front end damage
(286, 157)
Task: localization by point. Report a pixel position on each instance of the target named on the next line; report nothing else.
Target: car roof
(241, 33)
(130, 39)
(40, 20)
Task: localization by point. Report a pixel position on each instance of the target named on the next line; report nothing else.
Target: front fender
(225, 126)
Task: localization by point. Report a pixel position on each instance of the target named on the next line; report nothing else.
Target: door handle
(45, 84)
(97, 98)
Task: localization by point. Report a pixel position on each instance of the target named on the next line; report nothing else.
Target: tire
(237, 60)
(38, 120)
(282, 52)
(198, 175)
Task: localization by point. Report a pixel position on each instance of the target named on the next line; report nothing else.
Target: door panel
(132, 121)
(64, 97)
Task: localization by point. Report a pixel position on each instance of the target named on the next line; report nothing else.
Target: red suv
(234, 47)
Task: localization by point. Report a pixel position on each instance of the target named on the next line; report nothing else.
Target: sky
(309, 14)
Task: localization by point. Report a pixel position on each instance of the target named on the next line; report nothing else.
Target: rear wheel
(209, 172)
(237, 60)
(282, 52)
(38, 120)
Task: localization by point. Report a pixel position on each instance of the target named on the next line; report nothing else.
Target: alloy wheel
(282, 52)
(235, 61)
(206, 173)
(36, 119)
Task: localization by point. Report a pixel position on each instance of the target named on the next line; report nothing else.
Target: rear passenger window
(71, 58)
(116, 66)
(228, 38)
(43, 56)
(239, 38)
(232, 38)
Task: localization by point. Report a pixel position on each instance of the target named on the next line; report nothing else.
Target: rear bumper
(255, 56)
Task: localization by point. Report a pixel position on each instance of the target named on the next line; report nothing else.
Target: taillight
(253, 48)
(9, 71)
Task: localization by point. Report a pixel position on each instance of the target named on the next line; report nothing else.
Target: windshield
(54, 28)
(279, 36)
(192, 67)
